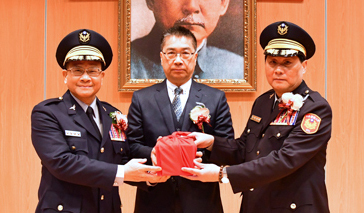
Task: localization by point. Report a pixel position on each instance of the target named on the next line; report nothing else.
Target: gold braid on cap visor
(284, 47)
(84, 52)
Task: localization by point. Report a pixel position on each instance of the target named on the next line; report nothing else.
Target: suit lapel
(106, 122)
(164, 105)
(80, 117)
(194, 96)
(268, 108)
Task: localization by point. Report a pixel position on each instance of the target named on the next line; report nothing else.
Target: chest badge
(310, 123)
(283, 119)
(116, 134)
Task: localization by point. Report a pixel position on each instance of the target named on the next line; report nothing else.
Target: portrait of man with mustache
(216, 59)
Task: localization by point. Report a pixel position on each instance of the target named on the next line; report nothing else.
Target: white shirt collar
(84, 106)
(276, 99)
(93, 105)
(185, 87)
(185, 93)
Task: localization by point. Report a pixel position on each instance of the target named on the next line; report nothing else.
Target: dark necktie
(176, 103)
(90, 114)
(275, 106)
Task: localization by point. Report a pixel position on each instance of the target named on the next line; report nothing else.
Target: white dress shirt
(183, 96)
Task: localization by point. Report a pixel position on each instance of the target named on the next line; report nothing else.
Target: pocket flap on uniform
(253, 134)
(120, 147)
(61, 202)
(78, 144)
(287, 201)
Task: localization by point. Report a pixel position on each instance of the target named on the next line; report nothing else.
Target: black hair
(179, 32)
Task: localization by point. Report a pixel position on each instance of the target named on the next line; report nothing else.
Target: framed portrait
(225, 31)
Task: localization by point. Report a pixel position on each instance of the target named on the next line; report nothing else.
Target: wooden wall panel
(21, 87)
(345, 165)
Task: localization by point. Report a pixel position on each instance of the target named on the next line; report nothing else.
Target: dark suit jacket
(76, 175)
(150, 116)
(284, 166)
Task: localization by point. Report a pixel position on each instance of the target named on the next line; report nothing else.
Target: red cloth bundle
(174, 152)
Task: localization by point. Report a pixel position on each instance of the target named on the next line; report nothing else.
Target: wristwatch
(223, 178)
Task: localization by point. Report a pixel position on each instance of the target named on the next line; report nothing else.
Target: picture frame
(245, 45)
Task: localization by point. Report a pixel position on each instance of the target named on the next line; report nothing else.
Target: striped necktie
(176, 103)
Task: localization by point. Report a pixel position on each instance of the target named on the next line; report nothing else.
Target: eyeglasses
(79, 71)
(171, 55)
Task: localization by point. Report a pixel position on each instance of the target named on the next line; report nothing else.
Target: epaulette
(52, 100)
(269, 92)
(109, 105)
(106, 103)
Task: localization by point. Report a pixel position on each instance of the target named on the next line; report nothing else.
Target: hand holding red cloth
(174, 152)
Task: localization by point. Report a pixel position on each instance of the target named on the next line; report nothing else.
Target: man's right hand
(203, 140)
(136, 171)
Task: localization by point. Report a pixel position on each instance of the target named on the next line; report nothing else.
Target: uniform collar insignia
(73, 107)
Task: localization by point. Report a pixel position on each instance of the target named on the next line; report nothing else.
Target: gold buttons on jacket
(60, 98)
(60, 208)
(263, 135)
(73, 148)
(258, 152)
(121, 149)
(278, 135)
(102, 150)
(102, 197)
(252, 189)
(293, 206)
(307, 91)
(248, 131)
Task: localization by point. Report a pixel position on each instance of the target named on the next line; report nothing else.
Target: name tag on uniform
(72, 133)
(255, 118)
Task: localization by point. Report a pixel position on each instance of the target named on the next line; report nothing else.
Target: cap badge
(282, 29)
(84, 37)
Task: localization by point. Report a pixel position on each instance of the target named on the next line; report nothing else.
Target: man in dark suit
(155, 112)
(281, 154)
(80, 148)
